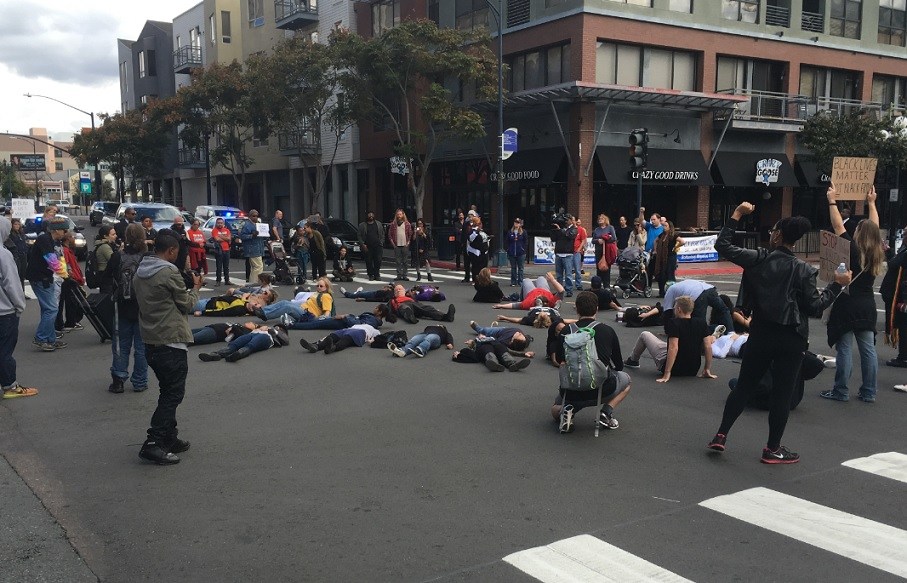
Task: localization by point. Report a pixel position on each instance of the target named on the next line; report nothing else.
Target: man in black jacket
(371, 240)
(563, 239)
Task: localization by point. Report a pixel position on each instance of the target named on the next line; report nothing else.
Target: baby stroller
(282, 264)
(632, 277)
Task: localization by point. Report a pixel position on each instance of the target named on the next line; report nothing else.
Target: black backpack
(92, 275)
(129, 263)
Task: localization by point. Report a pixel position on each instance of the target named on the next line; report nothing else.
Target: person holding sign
(781, 290)
(853, 315)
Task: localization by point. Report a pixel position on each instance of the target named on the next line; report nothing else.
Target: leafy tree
(305, 96)
(11, 183)
(403, 72)
(858, 134)
(219, 104)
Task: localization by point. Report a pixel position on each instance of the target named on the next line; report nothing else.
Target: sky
(67, 49)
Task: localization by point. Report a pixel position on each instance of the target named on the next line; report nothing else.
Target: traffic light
(639, 148)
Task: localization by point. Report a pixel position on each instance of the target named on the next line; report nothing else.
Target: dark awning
(740, 168)
(533, 166)
(665, 167)
(809, 175)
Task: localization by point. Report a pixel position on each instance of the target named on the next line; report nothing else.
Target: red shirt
(218, 232)
(529, 301)
(75, 272)
(579, 244)
(196, 238)
(395, 303)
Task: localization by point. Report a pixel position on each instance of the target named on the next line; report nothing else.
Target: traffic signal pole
(639, 159)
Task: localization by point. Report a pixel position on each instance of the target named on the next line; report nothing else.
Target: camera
(559, 219)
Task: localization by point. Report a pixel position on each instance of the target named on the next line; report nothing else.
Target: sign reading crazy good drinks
(768, 170)
(669, 175)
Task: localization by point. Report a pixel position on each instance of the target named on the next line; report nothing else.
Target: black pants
(9, 336)
(720, 313)
(458, 254)
(420, 310)
(373, 258)
(70, 305)
(342, 342)
(319, 269)
(477, 263)
(778, 347)
(668, 273)
(467, 265)
(481, 350)
(170, 366)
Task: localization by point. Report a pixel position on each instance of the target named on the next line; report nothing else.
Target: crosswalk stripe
(860, 539)
(889, 465)
(586, 559)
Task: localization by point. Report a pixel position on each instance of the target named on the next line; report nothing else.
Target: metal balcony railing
(777, 16)
(293, 14)
(812, 22)
(291, 143)
(186, 58)
(192, 158)
(771, 107)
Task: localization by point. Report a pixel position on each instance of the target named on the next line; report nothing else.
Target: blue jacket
(252, 244)
(517, 243)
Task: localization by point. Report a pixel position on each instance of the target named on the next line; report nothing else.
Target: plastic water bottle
(842, 268)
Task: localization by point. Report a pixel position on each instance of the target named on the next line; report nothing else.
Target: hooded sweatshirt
(164, 302)
(12, 297)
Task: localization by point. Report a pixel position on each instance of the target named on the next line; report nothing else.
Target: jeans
(204, 335)
(578, 269)
(710, 298)
(302, 261)
(281, 307)
(48, 299)
(365, 295)
(170, 366)
(516, 268)
(425, 342)
(130, 335)
(869, 362)
(200, 305)
(222, 263)
(564, 267)
(9, 336)
(310, 322)
(400, 261)
(254, 342)
(489, 331)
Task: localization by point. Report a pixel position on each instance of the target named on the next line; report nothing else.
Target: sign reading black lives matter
(853, 177)
(27, 162)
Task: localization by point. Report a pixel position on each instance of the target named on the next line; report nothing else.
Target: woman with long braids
(853, 315)
(666, 246)
(781, 290)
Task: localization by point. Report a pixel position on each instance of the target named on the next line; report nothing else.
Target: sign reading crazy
(853, 177)
(698, 249)
(543, 251)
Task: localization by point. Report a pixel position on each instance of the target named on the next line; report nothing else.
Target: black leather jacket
(778, 287)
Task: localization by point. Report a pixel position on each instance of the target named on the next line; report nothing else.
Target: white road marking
(860, 539)
(889, 465)
(586, 559)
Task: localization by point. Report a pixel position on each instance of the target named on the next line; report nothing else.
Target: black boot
(239, 354)
(430, 278)
(513, 364)
(451, 311)
(216, 355)
(492, 364)
(117, 385)
(309, 346)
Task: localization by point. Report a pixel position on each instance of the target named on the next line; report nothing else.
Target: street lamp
(97, 168)
(498, 13)
(34, 152)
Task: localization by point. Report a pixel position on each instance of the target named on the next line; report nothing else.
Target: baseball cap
(596, 282)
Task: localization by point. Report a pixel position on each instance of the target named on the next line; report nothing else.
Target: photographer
(564, 236)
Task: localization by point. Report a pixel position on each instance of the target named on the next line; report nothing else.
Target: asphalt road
(359, 466)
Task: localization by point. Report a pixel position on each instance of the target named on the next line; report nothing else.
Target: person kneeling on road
(688, 339)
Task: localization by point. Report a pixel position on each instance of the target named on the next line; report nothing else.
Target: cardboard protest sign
(23, 208)
(833, 251)
(264, 230)
(853, 177)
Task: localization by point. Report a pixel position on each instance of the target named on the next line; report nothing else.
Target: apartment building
(723, 87)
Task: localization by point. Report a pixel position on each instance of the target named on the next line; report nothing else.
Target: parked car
(188, 218)
(100, 209)
(343, 233)
(162, 215)
(205, 212)
(235, 224)
(32, 228)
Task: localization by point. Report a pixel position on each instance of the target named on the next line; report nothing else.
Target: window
(829, 83)
(892, 22)
(472, 14)
(194, 37)
(212, 33)
(58, 152)
(541, 68)
(58, 166)
(142, 65)
(647, 3)
(385, 16)
(152, 63)
(740, 10)
(517, 12)
(124, 73)
(225, 26)
(179, 42)
(434, 11)
(637, 66)
(256, 13)
(259, 137)
(845, 18)
(889, 91)
(681, 6)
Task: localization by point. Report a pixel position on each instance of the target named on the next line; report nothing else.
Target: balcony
(777, 16)
(187, 58)
(290, 144)
(812, 22)
(191, 158)
(295, 14)
(766, 110)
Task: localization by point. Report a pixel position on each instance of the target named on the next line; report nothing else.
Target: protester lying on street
(410, 310)
(494, 354)
(232, 306)
(739, 315)
(537, 293)
(356, 335)
(265, 281)
(643, 316)
(688, 339)
(510, 337)
(220, 332)
(540, 317)
(487, 290)
(305, 306)
(259, 339)
(606, 298)
(729, 345)
(383, 294)
(426, 293)
(340, 321)
(431, 338)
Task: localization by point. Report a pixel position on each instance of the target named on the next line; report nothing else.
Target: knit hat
(57, 224)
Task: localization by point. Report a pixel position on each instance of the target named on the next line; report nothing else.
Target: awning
(809, 175)
(740, 169)
(665, 167)
(532, 166)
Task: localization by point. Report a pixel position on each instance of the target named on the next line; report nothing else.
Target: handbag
(602, 264)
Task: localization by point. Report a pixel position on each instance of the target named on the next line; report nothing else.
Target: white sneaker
(901, 388)
(359, 289)
(720, 329)
(343, 290)
(396, 351)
